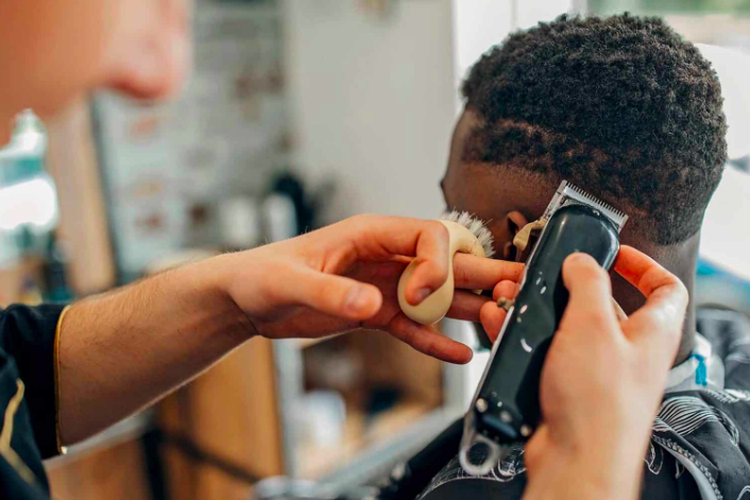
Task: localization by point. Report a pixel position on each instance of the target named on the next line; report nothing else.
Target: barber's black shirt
(27, 399)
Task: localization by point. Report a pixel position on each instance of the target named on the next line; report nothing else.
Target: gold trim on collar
(58, 333)
(6, 451)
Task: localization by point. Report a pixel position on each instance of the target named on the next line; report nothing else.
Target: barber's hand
(345, 276)
(603, 380)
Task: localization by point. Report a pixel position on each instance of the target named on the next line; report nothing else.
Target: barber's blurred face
(52, 51)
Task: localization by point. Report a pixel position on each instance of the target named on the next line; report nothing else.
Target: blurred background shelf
(321, 461)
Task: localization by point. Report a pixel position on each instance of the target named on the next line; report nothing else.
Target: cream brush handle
(435, 307)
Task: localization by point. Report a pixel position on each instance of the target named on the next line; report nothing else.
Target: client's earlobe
(515, 221)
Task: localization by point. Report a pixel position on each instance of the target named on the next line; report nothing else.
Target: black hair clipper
(505, 408)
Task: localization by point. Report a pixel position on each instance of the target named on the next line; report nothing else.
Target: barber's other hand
(345, 276)
(603, 380)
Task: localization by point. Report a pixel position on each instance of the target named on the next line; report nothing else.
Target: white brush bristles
(477, 228)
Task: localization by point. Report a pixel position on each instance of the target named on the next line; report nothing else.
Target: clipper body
(505, 408)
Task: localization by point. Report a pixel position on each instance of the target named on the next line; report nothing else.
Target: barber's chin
(154, 90)
(156, 75)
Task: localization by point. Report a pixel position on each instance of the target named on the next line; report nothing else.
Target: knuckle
(429, 347)
(666, 326)
(361, 220)
(600, 321)
(436, 230)
(597, 320)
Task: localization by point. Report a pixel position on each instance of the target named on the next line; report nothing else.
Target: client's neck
(681, 260)
(687, 343)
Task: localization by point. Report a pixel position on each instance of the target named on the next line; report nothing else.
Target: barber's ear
(515, 221)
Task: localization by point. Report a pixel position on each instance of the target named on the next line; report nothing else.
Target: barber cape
(700, 445)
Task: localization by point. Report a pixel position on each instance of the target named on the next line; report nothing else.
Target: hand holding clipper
(505, 408)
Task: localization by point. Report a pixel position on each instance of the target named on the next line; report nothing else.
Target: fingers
(642, 271)
(505, 289)
(432, 264)
(478, 308)
(428, 340)
(492, 319)
(476, 273)
(657, 326)
(331, 294)
(590, 303)
(382, 238)
(466, 306)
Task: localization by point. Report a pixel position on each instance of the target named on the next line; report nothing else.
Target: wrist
(212, 279)
(602, 470)
(580, 480)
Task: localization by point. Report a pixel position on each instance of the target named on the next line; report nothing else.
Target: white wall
(724, 239)
(372, 101)
(477, 26)
(531, 12)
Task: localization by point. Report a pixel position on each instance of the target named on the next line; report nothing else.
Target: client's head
(622, 107)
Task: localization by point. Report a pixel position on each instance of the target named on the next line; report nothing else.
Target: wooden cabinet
(114, 473)
(229, 412)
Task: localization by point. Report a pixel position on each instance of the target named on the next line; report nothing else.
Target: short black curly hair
(621, 106)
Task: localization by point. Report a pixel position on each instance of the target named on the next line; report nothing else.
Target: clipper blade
(568, 193)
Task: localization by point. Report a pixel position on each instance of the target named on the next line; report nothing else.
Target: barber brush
(467, 234)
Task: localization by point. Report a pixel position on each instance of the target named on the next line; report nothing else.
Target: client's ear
(514, 221)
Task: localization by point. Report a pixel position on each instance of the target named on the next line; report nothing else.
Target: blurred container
(27, 193)
(322, 415)
(240, 222)
(279, 218)
(334, 367)
(282, 488)
(54, 273)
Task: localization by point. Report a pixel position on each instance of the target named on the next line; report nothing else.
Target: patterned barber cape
(700, 446)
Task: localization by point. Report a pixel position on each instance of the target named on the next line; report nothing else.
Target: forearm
(121, 351)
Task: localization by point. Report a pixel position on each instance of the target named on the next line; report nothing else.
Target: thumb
(335, 295)
(590, 302)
